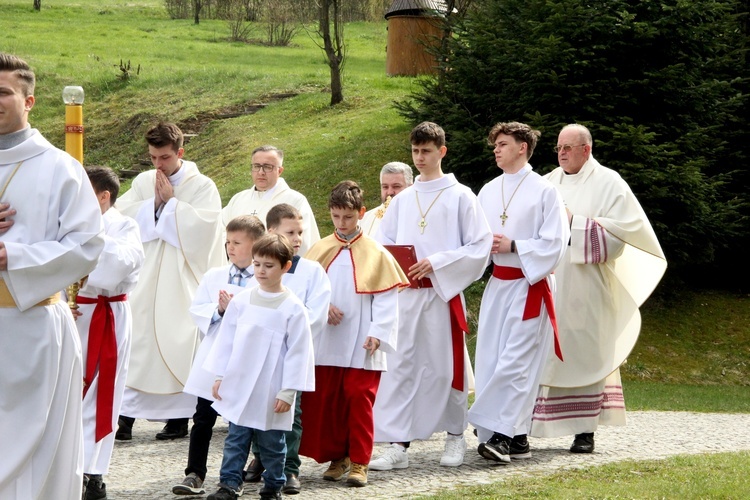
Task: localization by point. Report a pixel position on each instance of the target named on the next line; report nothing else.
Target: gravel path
(146, 469)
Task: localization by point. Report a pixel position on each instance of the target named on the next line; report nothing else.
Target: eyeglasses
(265, 166)
(566, 147)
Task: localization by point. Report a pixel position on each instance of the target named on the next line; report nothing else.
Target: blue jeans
(293, 437)
(272, 447)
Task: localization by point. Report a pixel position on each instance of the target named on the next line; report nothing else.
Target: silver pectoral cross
(422, 224)
(254, 212)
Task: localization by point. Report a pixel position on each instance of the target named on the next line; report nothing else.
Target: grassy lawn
(191, 75)
(676, 477)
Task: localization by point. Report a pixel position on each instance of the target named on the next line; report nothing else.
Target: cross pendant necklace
(423, 223)
(504, 215)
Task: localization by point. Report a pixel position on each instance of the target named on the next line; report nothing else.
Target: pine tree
(659, 83)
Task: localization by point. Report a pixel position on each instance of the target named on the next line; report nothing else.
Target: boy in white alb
(517, 321)
(425, 389)
(309, 282)
(350, 351)
(209, 304)
(105, 324)
(261, 357)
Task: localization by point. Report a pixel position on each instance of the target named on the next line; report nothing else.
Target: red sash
(538, 292)
(102, 351)
(458, 328)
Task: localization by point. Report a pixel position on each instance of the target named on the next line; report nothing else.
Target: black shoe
(497, 448)
(269, 494)
(253, 472)
(583, 443)
(173, 432)
(519, 448)
(95, 489)
(223, 493)
(124, 429)
(292, 485)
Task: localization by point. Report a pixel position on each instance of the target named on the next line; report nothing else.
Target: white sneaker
(455, 449)
(394, 457)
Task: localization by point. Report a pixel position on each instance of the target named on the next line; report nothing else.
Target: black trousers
(204, 420)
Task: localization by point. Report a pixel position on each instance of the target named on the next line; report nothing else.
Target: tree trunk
(197, 5)
(337, 91)
(37, 4)
(333, 45)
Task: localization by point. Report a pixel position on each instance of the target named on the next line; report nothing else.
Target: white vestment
(115, 274)
(180, 247)
(205, 305)
(511, 352)
(55, 241)
(264, 345)
(309, 282)
(258, 203)
(612, 265)
(365, 315)
(415, 397)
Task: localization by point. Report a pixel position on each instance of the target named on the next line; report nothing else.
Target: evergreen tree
(658, 83)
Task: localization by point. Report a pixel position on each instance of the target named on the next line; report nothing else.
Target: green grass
(655, 396)
(690, 341)
(678, 477)
(190, 73)
(693, 338)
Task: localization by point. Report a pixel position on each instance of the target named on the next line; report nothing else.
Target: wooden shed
(413, 27)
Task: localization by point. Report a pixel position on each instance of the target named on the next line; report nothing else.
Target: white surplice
(55, 241)
(258, 203)
(415, 397)
(180, 247)
(309, 282)
(511, 352)
(115, 274)
(365, 315)
(264, 345)
(203, 309)
(612, 265)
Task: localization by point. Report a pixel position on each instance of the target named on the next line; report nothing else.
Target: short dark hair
(519, 131)
(280, 212)
(248, 224)
(427, 132)
(19, 67)
(104, 179)
(346, 194)
(165, 134)
(275, 246)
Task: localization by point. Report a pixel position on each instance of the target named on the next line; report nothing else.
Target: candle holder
(73, 98)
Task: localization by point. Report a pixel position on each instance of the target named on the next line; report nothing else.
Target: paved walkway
(146, 469)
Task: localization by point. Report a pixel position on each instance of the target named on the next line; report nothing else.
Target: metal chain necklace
(2, 191)
(423, 223)
(504, 216)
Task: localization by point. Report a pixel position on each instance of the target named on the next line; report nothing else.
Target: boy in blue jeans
(261, 357)
(210, 302)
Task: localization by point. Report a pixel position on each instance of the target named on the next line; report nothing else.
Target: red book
(406, 257)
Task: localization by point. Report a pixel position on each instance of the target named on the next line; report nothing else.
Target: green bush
(660, 85)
